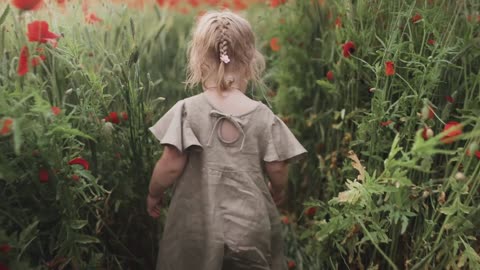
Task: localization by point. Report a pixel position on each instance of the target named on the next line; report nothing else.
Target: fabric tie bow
(236, 121)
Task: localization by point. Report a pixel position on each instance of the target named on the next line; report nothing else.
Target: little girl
(218, 146)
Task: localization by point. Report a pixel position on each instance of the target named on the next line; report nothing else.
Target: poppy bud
(460, 176)
(427, 133)
(473, 147)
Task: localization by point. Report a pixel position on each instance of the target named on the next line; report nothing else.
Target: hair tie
(224, 58)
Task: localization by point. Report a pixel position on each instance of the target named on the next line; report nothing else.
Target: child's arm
(277, 172)
(168, 168)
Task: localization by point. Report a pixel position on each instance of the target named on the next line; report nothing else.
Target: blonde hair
(223, 40)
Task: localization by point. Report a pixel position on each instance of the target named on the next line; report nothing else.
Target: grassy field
(385, 96)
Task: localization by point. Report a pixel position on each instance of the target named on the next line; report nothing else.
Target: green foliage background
(415, 204)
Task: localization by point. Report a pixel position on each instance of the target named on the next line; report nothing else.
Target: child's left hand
(153, 206)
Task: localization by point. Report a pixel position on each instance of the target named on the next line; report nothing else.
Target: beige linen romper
(222, 215)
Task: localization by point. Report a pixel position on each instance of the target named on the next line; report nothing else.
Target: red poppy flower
(330, 76)
(417, 17)
(386, 123)
(112, 118)
(7, 126)
(431, 42)
(5, 248)
(285, 220)
(56, 110)
(449, 99)
(43, 175)
(36, 60)
(427, 133)
(79, 161)
(311, 211)
(194, 3)
(75, 177)
(291, 264)
(23, 61)
(27, 4)
(431, 113)
(38, 32)
(338, 22)
(348, 48)
(124, 116)
(469, 153)
(454, 129)
(389, 68)
(239, 5)
(274, 44)
(92, 18)
(276, 3)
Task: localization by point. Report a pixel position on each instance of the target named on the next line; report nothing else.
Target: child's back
(222, 215)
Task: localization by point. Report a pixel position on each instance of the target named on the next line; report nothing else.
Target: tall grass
(386, 198)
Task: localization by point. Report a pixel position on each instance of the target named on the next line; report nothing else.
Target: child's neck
(239, 84)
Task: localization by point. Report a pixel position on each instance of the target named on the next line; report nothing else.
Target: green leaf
(78, 224)
(86, 239)
(4, 14)
(69, 131)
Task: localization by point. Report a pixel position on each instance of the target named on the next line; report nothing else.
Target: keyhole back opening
(228, 132)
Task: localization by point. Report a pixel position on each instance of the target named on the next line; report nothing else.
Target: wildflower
(310, 212)
(79, 161)
(37, 31)
(75, 177)
(27, 4)
(124, 116)
(330, 75)
(43, 175)
(389, 68)
(348, 48)
(92, 18)
(36, 60)
(291, 264)
(276, 3)
(338, 22)
(473, 148)
(239, 5)
(274, 44)
(449, 99)
(427, 133)
(417, 17)
(56, 110)
(454, 129)
(112, 118)
(427, 113)
(460, 176)
(6, 126)
(5, 248)
(431, 42)
(23, 61)
(285, 220)
(386, 123)
(194, 3)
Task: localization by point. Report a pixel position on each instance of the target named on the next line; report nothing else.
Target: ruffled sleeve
(281, 144)
(174, 129)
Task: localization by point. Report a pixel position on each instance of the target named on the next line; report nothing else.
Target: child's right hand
(279, 197)
(153, 206)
